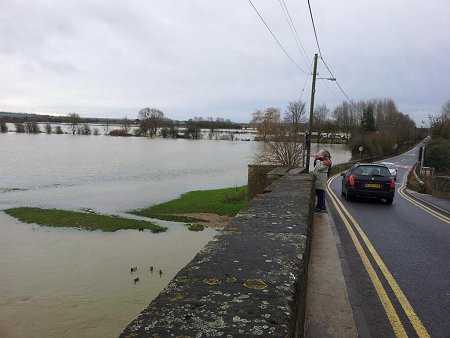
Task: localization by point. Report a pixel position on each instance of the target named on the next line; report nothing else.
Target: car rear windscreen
(372, 171)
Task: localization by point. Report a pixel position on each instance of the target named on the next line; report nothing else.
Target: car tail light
(351, 180)
(392, 183)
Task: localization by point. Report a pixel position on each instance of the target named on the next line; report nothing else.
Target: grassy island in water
(80, 220)
(226, 202)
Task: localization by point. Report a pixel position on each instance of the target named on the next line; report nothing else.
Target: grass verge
(225, 202)
(81, 220)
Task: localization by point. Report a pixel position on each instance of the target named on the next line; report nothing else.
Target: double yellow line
(422, 206)
(351, 224)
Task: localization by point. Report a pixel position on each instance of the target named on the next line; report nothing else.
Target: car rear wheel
(348, 197)
(389, 200)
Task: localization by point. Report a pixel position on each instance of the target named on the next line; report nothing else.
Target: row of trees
(29, 123)
(34, 128)
(150, 122)
(379, 127)
(375, 125)
(9, 117)
(29, 127)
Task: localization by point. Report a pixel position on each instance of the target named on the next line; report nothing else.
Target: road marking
(389, 309)
(384, 298)
(422, 206)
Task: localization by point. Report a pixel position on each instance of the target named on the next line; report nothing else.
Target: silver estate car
(392, 169)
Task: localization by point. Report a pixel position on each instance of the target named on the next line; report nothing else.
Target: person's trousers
(320, 199)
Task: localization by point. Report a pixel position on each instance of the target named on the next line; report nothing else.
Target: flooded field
(71, 283)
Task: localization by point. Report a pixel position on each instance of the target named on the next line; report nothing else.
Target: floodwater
(72, 283)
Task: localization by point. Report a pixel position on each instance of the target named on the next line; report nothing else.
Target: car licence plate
(373, 185)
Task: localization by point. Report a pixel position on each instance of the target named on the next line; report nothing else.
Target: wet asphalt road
(408, 250)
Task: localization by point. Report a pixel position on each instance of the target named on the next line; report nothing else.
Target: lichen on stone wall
(250, 281)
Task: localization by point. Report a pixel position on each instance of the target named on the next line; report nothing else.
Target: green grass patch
(195, 227)
(80, 220)
(225, 202)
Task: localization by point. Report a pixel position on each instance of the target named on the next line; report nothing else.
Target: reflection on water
(65, 282)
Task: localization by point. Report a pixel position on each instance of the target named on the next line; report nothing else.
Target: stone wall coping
(250, 280)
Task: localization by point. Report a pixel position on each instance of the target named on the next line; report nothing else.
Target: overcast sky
(215, 58)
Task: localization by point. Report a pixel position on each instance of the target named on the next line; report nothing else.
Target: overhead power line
(294, 31)
(306, 80)
(321, 57)
(314, 28)
(279, 44)
(338, 84)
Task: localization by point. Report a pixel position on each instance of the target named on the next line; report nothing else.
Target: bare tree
(151, 120)
(32, 128)
(265, 121)
(3, 126)
(445, 111)
(84, 129)
(173, 131)
(282, 144)
(193, 130)
(126, 123)
(282, 150)
(440, 125)
(320, 116)
(20, 127)
(295, 115)
(343, 117)
(74, 121)
(165, 132)
(106, 127)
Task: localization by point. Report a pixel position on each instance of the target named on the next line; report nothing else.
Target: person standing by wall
(323, 164)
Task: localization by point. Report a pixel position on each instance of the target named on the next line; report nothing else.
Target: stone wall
(262, 175)
(441, 186)
(250, 280)
(257, 178)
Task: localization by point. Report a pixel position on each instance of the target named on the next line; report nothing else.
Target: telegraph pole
(311, 111)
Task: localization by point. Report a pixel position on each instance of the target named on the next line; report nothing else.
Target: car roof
(371, 164)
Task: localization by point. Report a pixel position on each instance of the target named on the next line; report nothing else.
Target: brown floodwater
(72, 283)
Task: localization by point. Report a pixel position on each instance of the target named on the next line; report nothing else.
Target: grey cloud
(107, 57)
